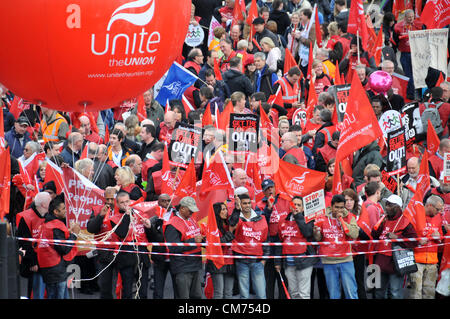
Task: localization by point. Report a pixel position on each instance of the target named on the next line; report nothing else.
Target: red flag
(415, 212)
(187, 185)
(167, 178)
(433, 140)
(364, 221)
(106, 139)
(237, 13)
(360, 126)
(436, 14)
(5, 180)
(17, 106)
(317, 27)
(312, 102)
(217, 71)
(276, 98)
(54, 173)
(266, 124)
(252, 12)
(207, 119)
(337, 75)
(440, 80)
(378, 46)
(253, 172)
(357, 22)
(84, 154)
(291, 180)
(141, 112)
(212, 238)
(223, 119)
(187, 105)
(423, 180)
(372, 36)
(337, 180)
(289, 61)
(216, 175)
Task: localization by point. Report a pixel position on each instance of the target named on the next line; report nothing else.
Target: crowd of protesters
(124, 157)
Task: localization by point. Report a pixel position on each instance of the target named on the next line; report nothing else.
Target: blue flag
(177, 81)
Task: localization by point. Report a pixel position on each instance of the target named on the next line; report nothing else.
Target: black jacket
(237, 81)
(103, 174)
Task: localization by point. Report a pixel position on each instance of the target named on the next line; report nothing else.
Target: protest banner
(314, 205)
(428, 50)
(299, 117)
(389, 181)
(184, 145)
(340, 94)
(446, 170)
(396, 150)
(243, 133)
(80, 196)
(411, 122)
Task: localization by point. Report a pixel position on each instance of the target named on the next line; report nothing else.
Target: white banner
(446, 170)
(428, 49)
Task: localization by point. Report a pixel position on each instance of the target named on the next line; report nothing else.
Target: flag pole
(357, 46)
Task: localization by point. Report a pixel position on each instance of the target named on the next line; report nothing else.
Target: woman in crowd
(125, 181)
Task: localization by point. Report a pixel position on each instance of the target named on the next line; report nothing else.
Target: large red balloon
(88, 54)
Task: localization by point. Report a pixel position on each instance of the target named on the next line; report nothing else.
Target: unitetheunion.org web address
(119, 74)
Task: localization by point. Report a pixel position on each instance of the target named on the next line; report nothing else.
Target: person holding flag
(393, 225)
(223, 277)
(298, 269)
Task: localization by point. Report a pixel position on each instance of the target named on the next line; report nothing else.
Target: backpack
(431, 113)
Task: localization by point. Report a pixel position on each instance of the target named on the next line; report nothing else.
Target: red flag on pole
(293, 180)
(207, 119)
(217, 71)
(415, 212)
(436, 14)
(378, 46)
(364, 221)
(433, 140)
(337, 180)
(141, 113)
(213, 239)
(216, 175)
(289, 61)
(357, 22)
(360, 126)
(188, 183)
(317, 27)
(337, 75)
(223, 119)
(17, 106)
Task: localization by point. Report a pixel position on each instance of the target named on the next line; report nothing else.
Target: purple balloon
(380, 82)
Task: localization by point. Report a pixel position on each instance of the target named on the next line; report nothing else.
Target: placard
(184, 144)
(411, 122)
(194, 36)
(446, 170)
(314, 205)
(340, 94)
(243, 133)
(396, 152)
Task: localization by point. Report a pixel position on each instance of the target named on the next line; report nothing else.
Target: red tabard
(106, 227)
(248, 233)
(146, 166)
(32, 220)
(299, 154)
(136, 230)
(188, 229)
(289, 232)
(332, 232)
(279, 212)
(47, 256)
(389, 226)
(165, 134)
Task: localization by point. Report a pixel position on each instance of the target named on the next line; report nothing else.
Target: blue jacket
(15, 146)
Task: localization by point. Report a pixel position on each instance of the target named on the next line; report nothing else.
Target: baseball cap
(395, 199)
(240, 190)
(258, 20)
(267, 183)
(22, 120)
(189, 202)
